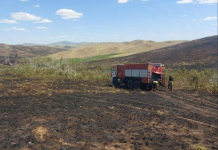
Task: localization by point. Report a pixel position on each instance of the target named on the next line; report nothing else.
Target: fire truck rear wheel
(136, 84)
(130, 84)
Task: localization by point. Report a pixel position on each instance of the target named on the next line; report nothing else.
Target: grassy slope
(124, 49)
(202, 52)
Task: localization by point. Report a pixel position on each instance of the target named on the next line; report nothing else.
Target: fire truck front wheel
(115, 82)
(130, 84)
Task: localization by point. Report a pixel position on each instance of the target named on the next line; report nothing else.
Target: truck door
(119, 71)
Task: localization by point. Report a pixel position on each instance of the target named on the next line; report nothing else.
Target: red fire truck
(135, 76)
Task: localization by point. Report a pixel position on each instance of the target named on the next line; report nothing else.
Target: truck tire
(115, 82)
(130, 84)
(137, 84)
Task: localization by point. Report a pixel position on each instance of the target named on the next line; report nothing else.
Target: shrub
(46, 68)
(205, 80)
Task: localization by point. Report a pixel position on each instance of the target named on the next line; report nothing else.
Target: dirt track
(96, 116)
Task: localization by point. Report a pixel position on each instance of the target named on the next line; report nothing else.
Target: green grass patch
(99, 57)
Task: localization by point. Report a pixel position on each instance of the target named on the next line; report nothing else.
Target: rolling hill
(121, 49)
(25, 51)
(200, 53)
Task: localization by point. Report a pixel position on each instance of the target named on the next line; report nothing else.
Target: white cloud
(197, 1)
(24, 0)
(41, 28)
(184, 1)
(123, 1)
(43, 21)
(24, 16)
(144, 0)
(68, 14)
(207, 1)
(7, 21)
(206, 19)
(63, 36)
(210, 18)
(36, 6)
(17, 29)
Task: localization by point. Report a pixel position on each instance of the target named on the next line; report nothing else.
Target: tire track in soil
(193, 109)
(125, 101)
(158, 106)
(190, 100)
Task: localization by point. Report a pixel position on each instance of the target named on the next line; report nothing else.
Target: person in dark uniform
(170, 83)
(170, 78)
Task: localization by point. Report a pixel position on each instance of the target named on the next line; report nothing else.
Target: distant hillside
(25, 51)
(123, 49)
(66, 43)
(32, 44)
(199, 53)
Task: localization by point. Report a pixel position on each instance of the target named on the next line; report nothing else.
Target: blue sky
(48, 21)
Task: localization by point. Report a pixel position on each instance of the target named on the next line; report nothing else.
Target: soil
(83, 115)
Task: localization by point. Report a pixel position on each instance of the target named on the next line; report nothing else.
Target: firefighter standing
(170, 83)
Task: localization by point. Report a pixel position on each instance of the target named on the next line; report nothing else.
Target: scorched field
(74, 114)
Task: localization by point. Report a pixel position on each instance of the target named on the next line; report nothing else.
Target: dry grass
(46, 69)
(40, 133)
(197, 147)
(122, 49)
(25, 51)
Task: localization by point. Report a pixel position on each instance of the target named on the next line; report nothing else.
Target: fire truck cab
(135, 76)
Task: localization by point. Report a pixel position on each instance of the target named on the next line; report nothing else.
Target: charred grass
(61, 112)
